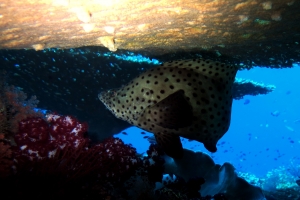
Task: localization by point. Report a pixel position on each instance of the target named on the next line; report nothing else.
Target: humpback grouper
(187, 98)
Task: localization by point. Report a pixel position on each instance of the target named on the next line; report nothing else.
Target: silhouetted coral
(5, 158)
(181, 189)
(215, 197)
(141, 184)
(154, 163)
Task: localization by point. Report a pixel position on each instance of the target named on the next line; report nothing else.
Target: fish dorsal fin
(210, 69)
(171, 144)
(172, 112)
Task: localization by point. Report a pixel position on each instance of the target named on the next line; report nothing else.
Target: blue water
(257, 141)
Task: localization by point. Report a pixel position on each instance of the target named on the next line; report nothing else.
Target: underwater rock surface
(252, 32)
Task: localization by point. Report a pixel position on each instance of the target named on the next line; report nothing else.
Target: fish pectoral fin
(210, 147)
(172, 112)
(171, 144)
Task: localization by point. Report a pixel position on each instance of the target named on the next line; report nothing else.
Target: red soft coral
(61, 139)
(39, 139)
(117, 159)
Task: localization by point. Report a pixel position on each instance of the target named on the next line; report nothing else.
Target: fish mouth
(100, 96)
(106, 95)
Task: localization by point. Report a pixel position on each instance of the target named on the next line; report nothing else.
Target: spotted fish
(188, 98)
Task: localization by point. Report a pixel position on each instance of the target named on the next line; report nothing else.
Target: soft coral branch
(14, 107)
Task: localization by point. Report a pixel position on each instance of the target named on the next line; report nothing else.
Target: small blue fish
(152, 140)
(247, 101)
(297, 121)
(276, 113)
(289, 128)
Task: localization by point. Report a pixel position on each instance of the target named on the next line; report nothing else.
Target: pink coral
(66, 129)
(39, 139)
(61, 139)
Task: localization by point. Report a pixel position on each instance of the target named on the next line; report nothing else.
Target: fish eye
(112, 93)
